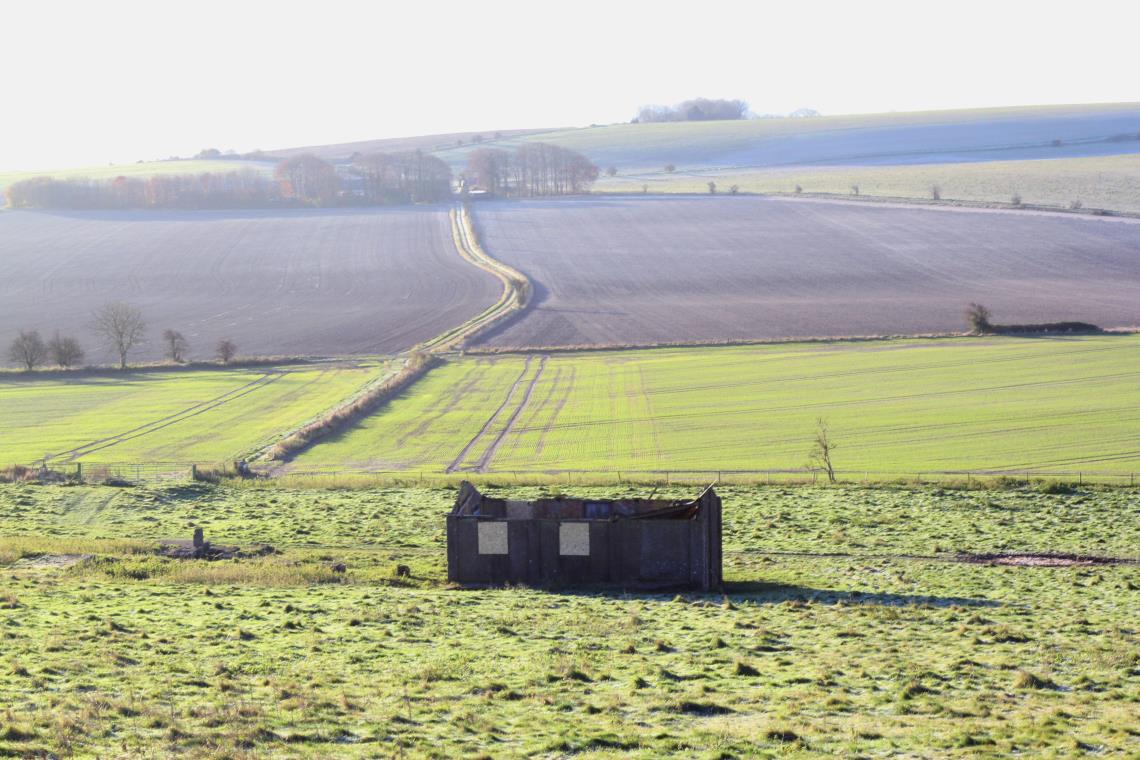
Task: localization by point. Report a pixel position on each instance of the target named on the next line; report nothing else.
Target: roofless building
(567, 541)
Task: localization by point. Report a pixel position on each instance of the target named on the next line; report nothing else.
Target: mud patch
(50, 561)
(1041, 560)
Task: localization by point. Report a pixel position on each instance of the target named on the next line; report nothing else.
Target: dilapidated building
(565, 541)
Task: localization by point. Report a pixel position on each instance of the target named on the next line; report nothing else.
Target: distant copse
(532, 169)
(409, 177)
(697, 109)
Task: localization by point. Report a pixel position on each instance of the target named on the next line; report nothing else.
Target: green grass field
(900, 406)
(1103, 182)
(865, 653)
(196, 415)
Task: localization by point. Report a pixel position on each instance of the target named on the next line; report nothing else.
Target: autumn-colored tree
(308, 179)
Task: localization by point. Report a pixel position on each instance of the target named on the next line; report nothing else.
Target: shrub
(936, 192)
(854, 189)
(979, 318)
(1016, 199)
(798, 190)
(712, 188)
(733, 189)
(1075, 205)
(670, 168)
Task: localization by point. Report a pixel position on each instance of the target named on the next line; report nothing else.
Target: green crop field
(196, 415)
(1101, 182)
(899, 406)
(887, 647)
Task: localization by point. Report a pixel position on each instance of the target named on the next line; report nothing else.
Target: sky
(90, 83)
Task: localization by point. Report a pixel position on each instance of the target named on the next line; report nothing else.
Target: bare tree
(611, 171)
(820, 454)
(176, 345)
(670, 168)
(64, 351)
(28, 349)
(122, 327)
(979, 318)
(712, 187)
(226, 350)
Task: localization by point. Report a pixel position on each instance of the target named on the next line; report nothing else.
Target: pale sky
(87, 83)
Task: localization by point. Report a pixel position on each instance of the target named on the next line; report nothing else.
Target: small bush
(1015, 199)
(1026, 680)
(936, 192)
(670, 168)
(798, 190)
(854, 189)
(1075, 205)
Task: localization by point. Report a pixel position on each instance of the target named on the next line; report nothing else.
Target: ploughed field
(195, 415)
(899, 407)
(659, 269)
(310, 282)
(846, 628)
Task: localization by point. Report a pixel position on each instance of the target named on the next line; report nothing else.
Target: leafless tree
(64, 351)
(712, 187)
(670, 168)
(820, 454)
(611, 171)
(28, 349)
(733, 189)
(226, 350)
(122, 328)
(979, 318)
(176, 345)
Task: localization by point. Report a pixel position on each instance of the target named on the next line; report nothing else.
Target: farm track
(512, 301)
(485, 460)
(155, 425)
(457, 463)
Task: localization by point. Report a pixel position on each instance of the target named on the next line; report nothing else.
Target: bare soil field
(314, 282)
(660, 270)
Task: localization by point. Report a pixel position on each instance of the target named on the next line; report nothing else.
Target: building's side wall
(633, 552)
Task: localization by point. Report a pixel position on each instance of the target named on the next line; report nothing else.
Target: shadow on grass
(755, 592)
(775, 593)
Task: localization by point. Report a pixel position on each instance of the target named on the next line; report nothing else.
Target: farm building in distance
(633, 543)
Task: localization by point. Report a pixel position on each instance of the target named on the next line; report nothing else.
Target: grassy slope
(143, 169)
(851, 655)
(193, 415)
(899, 406)
(1107, 182)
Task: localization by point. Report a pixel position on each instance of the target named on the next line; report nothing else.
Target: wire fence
(798, 476)
(144, 472)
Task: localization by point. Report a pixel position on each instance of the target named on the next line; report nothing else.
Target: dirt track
(317, 282)
(640, 270)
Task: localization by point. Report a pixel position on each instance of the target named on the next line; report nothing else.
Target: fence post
(194, 472)
(79, 471)
(1080, 478)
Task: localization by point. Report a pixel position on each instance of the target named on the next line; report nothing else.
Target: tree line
(697, 109)
(303, 180)
(532, 169)
(122, 330)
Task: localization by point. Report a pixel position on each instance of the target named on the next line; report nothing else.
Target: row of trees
(532, 169)
(122, 329)
(697, 109)
(304, 180)
(246, 188)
